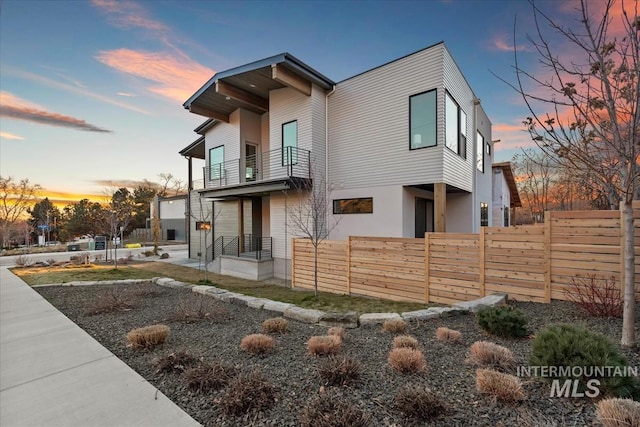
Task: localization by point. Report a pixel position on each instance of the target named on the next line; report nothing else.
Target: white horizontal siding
(200, 211)
(286, 105)
(369, 125)
(227, 134)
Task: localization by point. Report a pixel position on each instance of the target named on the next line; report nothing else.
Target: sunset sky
(91, 92)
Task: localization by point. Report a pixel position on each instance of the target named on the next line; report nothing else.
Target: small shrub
(418, 403)
(22, 261)
(332, 411)
(108, 302)
(204, 309)
(338, 331)
(405, 341)
(247, 392)
(503, 321)
(148, 337)
(275, 325)
(618, 412)
(396, 326)
(568, 345)
(256, 343)
(176, 362)
(599, 298)
(503, 387)
(210, 376)
(488, 354)
(98, 258)
(336, 370)
(406, 360)
(324, 345)
(448, 335)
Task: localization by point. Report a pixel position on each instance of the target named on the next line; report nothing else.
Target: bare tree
(585, 111)
(205, 219)
(308, 208)
(170, 185)
(15, 199)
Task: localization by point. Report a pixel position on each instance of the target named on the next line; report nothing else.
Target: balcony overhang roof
(248, 189)
(248, 86)
(195, 149)
(511, 182)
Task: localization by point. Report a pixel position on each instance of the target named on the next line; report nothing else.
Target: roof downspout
(326, 152)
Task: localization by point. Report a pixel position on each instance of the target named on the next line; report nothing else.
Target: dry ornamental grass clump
(205, 309)
(248, 392)
(324, 345)
(619, 412)
(176, 362)
(503, 387)
(338, 332)
(108, 302)
(339, 370)
(331, 411)
(405, 341)
(396, 326)
(485, 353)
(148, 337)
(210, 376)
(448, 335)
(418, 403)
(275, 325)
(407, 360)
(256, 343)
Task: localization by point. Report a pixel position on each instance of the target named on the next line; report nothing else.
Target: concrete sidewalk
(52, 373)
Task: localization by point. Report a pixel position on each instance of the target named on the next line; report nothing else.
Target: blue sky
(92, 91)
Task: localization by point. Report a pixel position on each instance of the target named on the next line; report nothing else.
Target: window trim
(461, 146)
(333, 205)
(480, 165)
(484, 209)
(294, 153)
(411, 147)
(221, 175)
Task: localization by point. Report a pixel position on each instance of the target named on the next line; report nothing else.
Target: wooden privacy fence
(529, 263)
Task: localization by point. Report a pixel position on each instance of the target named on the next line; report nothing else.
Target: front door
(424, 217)
(251, 161)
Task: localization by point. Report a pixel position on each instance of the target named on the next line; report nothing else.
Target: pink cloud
(128, 14)
(511, 136)
(500, 42)
(174, 77)
(14, 107)
(7, 135)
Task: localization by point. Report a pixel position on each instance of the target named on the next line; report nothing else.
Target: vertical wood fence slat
(482, 248)
(293, 263)
(547, 257)
(349, 265)
(426, 267)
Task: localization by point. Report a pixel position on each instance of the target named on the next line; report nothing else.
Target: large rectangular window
(422, 120)
(455, 127)
(290, 143)
(484, 214)
(353, 206)
(480, 152)
(216, 162)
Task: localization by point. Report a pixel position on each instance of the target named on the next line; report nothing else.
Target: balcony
(271, 166)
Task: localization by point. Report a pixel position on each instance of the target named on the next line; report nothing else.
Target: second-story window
(290, 143)
(422, 120)
(216, 162)
(455, 127)
(480, 152)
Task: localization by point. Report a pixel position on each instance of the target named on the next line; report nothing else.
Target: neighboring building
(172, 214)
(505, 195)
(403, 149)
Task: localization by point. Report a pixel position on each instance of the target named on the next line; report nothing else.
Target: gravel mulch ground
(294, 373)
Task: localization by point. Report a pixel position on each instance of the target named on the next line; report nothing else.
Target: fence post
(481, 244)
(293, 263)
(349, 265)
(426, 266)
(547, 256)
(622, 246)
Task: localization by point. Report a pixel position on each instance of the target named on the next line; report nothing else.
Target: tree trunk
(628, 316)
(315, 270)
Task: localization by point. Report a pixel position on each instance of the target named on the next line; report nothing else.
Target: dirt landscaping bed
(211, 331)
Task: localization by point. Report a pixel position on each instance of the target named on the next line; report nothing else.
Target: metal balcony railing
(288, 163)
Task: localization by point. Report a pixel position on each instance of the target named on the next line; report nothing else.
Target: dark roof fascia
(283, 58)
(511, 182)
(208, 124)
(392, 61)
(191, 146)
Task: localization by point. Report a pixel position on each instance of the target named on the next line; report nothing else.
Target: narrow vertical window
(422, 120)
(290, 143)
(452, 124)
(216, 162)
(480, 152)
(463, 134)
(484, 214)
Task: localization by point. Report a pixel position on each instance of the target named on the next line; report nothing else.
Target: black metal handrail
(218, 245)
(292, 162)
(232, 247)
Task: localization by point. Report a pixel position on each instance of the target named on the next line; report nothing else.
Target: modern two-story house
(400, 150)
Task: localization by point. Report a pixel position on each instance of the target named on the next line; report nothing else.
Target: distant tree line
(24, 216)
